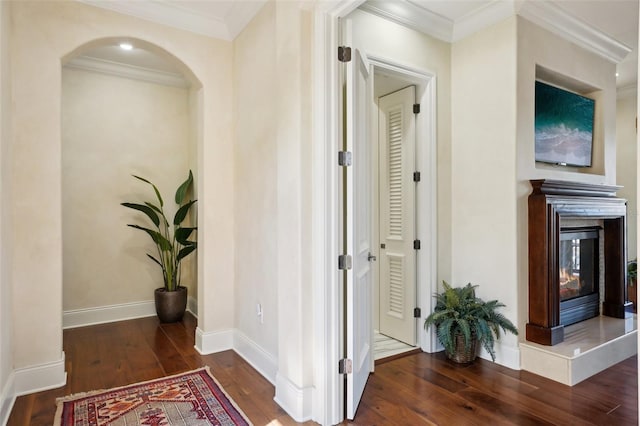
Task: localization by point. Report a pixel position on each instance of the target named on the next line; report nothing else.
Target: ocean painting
(563, 126)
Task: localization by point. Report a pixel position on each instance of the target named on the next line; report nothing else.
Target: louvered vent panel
(395, 172)
(396, 288)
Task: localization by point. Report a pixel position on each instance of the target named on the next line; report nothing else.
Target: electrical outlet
(260, 313)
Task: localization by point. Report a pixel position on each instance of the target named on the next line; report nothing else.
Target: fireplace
(579, 283)
(575, 272)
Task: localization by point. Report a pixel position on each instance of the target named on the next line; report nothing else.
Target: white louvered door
(397, 215)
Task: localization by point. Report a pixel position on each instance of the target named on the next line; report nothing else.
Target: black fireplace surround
(579, 266)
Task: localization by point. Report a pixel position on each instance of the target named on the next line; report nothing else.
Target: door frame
(328, 391)
(426, 191)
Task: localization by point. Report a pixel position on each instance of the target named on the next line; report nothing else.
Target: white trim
(170, 14)
(41, 377)
(508, 356)
(294, 400)
(543, 13)
(328, 388)
(213, 341)
(265, 363)
(118, 69)
(7, 399)
(555, 19)
(481, 18)
(412, 16)
(179, 16)
(426, 194)
(104, 314)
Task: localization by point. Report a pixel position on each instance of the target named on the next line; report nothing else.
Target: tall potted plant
(463, 320)
(172, 244)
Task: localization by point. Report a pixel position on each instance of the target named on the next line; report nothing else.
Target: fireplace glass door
(578, 264)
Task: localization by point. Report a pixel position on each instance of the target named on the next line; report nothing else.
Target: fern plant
(459, 312)
(172, 243)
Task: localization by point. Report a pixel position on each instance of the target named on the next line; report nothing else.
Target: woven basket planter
(462, 355)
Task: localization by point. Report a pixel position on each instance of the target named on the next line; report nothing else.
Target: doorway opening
(381, 192)
(127, 108)
(395, 210)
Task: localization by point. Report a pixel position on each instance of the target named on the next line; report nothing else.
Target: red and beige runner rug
(191, 398)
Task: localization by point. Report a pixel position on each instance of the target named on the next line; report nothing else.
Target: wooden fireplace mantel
(550, 201)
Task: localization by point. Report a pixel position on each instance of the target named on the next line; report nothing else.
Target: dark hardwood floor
(414, 390)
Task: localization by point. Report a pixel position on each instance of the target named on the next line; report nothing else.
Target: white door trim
(426, 192)
(328, 393)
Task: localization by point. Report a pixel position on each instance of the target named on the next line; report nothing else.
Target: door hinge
(416, 244)
(344, 262)
(344, 54)
(344, 158)
(416, 108)
(417, 313)
(345, 366)
(416, 176)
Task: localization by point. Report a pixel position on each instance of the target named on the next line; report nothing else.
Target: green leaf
(459, 311)
(182, 212)
(182, 190)
(154, 259)
(182, 234)
(153, 206)
(144, 209)
(161, 241)
(154, 188)
(184, 252)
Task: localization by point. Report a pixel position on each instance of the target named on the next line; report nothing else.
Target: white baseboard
(7, 399)
(112, 313)
(297, 402)
(40, 377)
(104, 314)
(255, 355)
(505, 355)
(213, 341)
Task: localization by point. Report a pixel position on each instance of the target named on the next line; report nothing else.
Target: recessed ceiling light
(617, 74)
(126, 46)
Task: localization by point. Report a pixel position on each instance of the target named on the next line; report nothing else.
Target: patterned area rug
(191, 398)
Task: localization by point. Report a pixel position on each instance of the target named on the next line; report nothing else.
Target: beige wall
(537, 46)
(113, 127)
(255, 94)
(272, 104)
(483, 84)
(626, 165)
(47, 32)
(6, 320)
(293, 30)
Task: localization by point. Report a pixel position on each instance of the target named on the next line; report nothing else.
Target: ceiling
(612, 23)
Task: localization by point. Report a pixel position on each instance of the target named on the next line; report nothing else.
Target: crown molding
(412, 16)
(555, 19)
(170, 14)
(543, 13)
(87, 63)
(482, 18)
(241, 14)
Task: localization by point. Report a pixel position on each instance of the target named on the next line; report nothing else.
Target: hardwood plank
(418, 389)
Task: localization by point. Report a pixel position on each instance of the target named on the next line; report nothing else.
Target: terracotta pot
(170, 305)
(461, 354)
